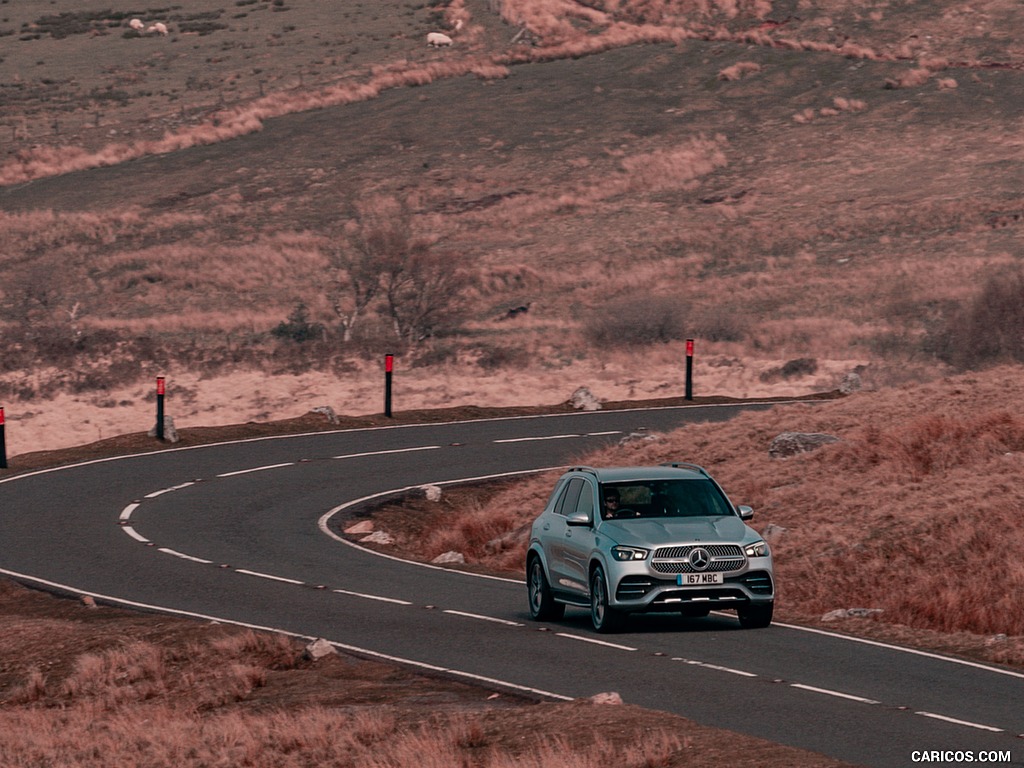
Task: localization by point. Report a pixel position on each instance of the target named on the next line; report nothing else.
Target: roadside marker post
(160, 392)
(3, 441)
(689, 369)
(389, 368)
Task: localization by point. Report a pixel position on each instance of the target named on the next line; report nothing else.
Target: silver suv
(630, 539)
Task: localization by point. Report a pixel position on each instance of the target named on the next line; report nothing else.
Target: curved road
(240, 532)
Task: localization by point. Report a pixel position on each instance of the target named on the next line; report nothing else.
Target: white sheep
(136, 24)
(159, 28)
(438, 40)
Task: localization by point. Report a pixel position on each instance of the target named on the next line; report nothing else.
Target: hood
(678, 530)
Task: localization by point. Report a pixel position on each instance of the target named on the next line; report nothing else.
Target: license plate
(697, 579)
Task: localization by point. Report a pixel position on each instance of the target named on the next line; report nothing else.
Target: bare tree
(380, 234)
(382, 257)
(425, 292)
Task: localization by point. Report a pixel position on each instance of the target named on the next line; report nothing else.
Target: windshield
(663, 498)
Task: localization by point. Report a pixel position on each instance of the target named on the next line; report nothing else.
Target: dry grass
(109, 687)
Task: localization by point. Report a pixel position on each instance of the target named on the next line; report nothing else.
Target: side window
(567, 504)
(586, 502)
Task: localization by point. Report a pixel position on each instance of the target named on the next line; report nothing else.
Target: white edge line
(953, 720)
(269, 576)
(256, 469)
(394, 600)
(384, 453)
(183, 556)
(594, 641)
(495, 619)
(838, 694)
(324, 522)
(342, 646)
(134, 534)
(265, 438)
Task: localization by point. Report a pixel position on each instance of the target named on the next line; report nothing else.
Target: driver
(611, 503)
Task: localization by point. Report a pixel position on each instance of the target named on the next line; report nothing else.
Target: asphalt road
(241, 532)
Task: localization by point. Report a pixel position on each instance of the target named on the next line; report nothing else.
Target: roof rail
(582, 468)
(687, 465)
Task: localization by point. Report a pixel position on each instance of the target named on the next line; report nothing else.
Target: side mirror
(745, 512)
(578, 518)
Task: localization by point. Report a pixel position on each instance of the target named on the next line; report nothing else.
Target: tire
(604, 618)
(542, 604)
(756, 616)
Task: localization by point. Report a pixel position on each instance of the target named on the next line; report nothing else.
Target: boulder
(449, 558)
(639, 437)
(327, 412)
(851, 613)
(432, 492)
(318, 649)
(791, 443)
(606, 698)
(170, 433)
(773, 532)
(363, 526)
(584, 400)
(378, 537)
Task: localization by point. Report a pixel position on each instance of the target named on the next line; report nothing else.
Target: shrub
(297, 327)
(990, 329)
(637, 320)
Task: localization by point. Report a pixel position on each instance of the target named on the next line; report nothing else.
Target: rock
(851, 383)
(432, 492)
(520, 535)
(448, 558)
(851, 613)
(773, 532)
(88, 601)
(791, 443)
(640, 436)
(363, 526)
(327, 412)
(170, 433)
(606, 698)
(583, 400)
(378, 537)
(318, 649)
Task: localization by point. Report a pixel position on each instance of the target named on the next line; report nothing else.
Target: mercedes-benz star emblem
(699, 559)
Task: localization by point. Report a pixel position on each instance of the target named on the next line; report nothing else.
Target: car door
(555, 531)
(578, 542)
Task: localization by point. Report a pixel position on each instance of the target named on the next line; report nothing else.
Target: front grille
(724, 557)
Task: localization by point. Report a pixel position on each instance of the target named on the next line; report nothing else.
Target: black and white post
(160, 391)
(689, 369)
(389, 368)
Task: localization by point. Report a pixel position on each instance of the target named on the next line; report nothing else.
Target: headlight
(757, 549)
(629, 553)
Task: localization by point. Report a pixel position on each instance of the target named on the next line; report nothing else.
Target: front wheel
(542, 605)
(756, 616)
(604, 618)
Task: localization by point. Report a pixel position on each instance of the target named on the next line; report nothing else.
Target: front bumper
(644, 592)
